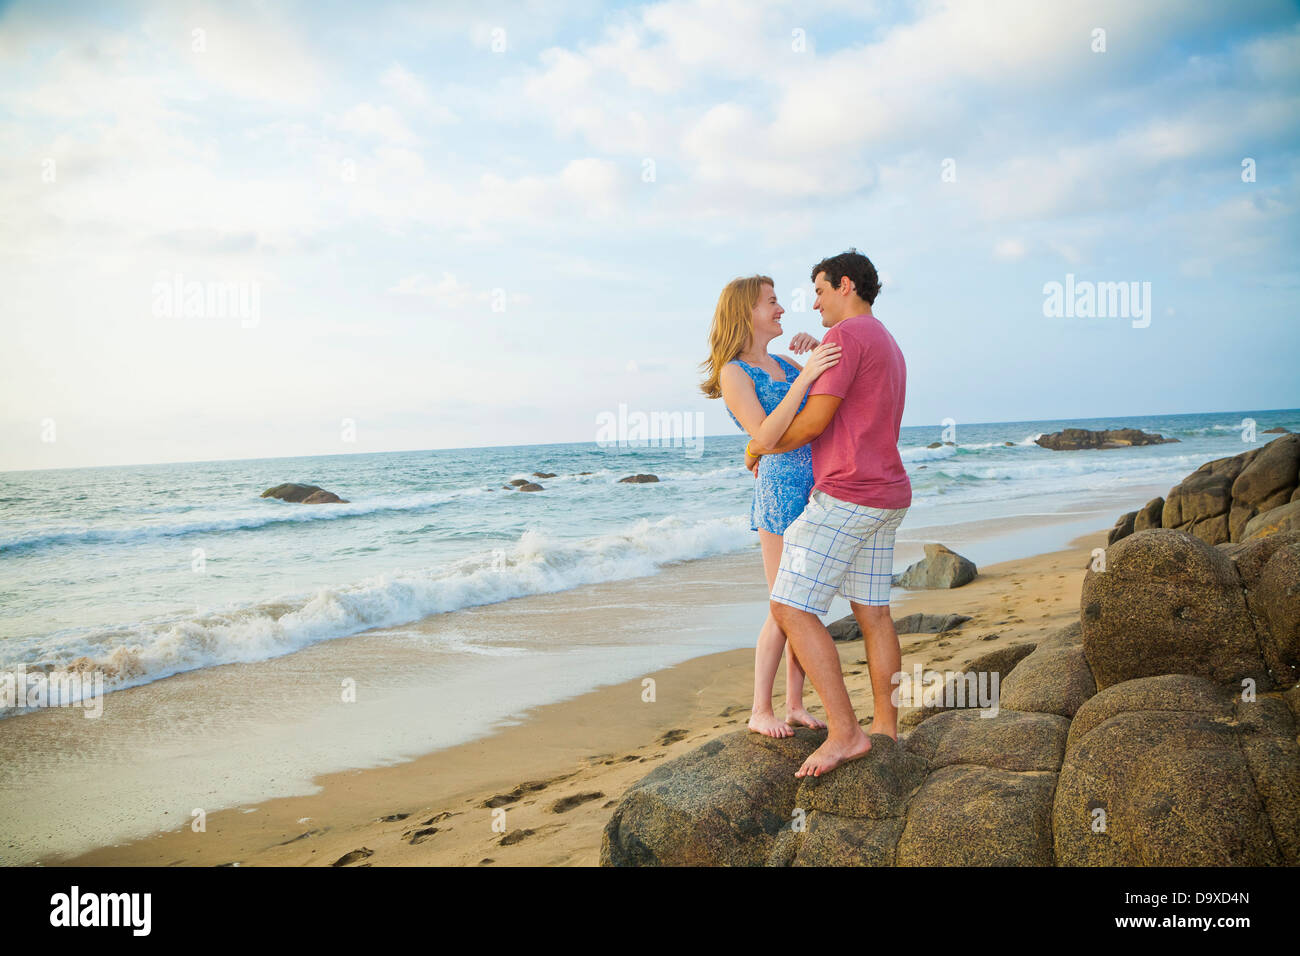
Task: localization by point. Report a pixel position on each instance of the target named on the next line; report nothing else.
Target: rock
(845, 629)
(1009, 740)
(1075, 439)
(531, 486)
(1251, 556)
(940, 568)
(303, 494)
(1123, 528)
(1201, 495)
(1271, 474)
(1174, 770)
(1054, 679)
(543, 474)
(323, 498)
(1000, 662)
(1149, 516)
(720, 804)
(929, 623)
(1275, 602)
(971, 815)
(637, 479)
(1276, 431)
(1168, 603)
(517, 483)
(935, 444)
(1274, 521)
(1009, 444)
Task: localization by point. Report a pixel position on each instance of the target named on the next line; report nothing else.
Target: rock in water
(303, 494)
(940, 568)
(1076, 439)
(638, 480)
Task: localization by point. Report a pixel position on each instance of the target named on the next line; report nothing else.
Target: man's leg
(884, 660)
(867, 587)
(812, 643)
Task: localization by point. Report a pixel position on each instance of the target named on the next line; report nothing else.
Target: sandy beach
(539, 790)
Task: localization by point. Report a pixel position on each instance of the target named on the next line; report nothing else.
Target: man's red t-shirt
(856, 459)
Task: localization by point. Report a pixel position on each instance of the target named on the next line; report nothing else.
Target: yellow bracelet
(748, 452)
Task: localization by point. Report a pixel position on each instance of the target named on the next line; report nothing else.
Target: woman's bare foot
(768, 725)
(799, 717)
(833, 753)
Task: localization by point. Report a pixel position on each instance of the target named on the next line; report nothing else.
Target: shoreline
(451, 799)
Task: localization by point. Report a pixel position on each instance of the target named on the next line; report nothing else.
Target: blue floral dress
(784, 481)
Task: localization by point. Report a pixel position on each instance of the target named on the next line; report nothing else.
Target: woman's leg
(767, 655)
(794, 673)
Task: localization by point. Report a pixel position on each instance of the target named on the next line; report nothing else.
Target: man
(844, 540)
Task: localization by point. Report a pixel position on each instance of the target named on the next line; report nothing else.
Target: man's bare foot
(833, 753)
(768, 725)
(799, 717)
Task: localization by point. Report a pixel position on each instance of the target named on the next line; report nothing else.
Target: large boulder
(1054, 679)
(1275, 602)
(1274, 521)
(1150, 515)
(1268, 480)
(720, 804)
(971, 815)
(999, 662)
(940, 568)
(1175, 770)
(1168, 603)
(1123, 527)
(1219, 500)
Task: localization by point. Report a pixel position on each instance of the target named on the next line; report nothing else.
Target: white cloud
(1009, 250)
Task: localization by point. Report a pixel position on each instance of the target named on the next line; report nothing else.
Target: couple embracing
(830, 490)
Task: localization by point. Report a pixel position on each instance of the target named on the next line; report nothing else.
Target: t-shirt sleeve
(837, 379)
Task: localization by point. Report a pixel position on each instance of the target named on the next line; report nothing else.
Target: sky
(242, 230)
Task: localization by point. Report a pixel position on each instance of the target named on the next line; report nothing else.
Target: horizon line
(405, 451)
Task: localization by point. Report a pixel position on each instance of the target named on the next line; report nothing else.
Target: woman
(763, 393)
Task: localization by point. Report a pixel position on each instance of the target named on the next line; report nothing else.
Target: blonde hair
(733, 326)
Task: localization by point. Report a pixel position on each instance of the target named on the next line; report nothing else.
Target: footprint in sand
(393, 818)
(419, 836)
(515, 836)
(501, 799)
(565, 804)
(347, 859)
(673, 736)
(303, 836)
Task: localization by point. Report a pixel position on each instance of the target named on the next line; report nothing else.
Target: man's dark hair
(859, 270)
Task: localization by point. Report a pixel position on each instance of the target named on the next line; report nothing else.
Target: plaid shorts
(837, 547)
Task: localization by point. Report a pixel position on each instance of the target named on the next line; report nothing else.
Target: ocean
(146, 571)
